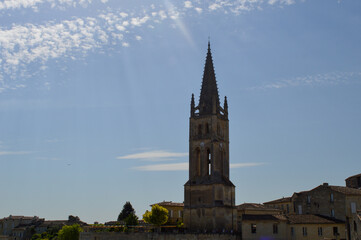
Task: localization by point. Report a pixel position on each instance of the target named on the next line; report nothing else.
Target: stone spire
(209, 98)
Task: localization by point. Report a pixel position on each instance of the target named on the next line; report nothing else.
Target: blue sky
(95, 99)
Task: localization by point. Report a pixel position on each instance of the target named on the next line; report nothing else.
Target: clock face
(202, 144)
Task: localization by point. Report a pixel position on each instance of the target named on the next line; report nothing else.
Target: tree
(131, 220)
(157, 216)
(127, 210)
(70, 232)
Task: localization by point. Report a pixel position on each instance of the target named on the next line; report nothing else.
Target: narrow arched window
(354, 226)
(222, 155)
(209, 162)
(200, 129)
(198, 161)
(207, 128)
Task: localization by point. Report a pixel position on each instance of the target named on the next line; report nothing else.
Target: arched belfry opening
(209, 161)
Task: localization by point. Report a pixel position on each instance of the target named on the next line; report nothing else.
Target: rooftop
(255, 206)
(311, 219)
(263, 217)
(280, 200)
(169, 203)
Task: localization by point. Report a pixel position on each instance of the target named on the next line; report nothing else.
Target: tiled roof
(263, 217)
(255, 206)
(346, 190)
(357, 175)
(19, 218)
(340, 189)
(280, 200)
(169, 203)
(54, 222)
(311, 219)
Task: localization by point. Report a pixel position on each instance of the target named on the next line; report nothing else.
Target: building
(338, 206)
(22, 227)
(354, 181)
(17, 226)
(256, 221)
(314, 227)
(209, 195)
(175, 211)
(285, 204)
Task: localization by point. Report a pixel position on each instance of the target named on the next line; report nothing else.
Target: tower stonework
(209, 195)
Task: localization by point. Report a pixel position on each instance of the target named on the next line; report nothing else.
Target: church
(209, 195)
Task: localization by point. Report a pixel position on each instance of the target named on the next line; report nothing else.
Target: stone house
(175, 211)
(314, 227)
(285, 204)
(354, 181)
(258, 221)
(16, 226)
(337, 202)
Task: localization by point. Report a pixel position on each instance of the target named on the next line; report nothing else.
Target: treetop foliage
(157, 216)
(70, 232)
(127, 210)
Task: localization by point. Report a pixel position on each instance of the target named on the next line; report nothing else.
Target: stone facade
(16, 227)
(285, 204)
(155, 236)
(341, 204)
(354, 181)
(209, 195)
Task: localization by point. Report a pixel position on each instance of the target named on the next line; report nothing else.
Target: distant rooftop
(169, 203)
(311, 219)
(280, 200)
(255, 206)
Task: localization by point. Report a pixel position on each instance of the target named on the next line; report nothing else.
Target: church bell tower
(209, 195)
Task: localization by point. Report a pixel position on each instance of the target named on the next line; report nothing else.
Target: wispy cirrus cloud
(154, 155)
(35, 44)
(242, 165)
(164, 167)
(325, 79)
(35, 4)
(7, 153)
(183, 166)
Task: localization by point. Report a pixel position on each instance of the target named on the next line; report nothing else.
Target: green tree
(127, 210)
(131, 220)
(70, 232)
(157, 216)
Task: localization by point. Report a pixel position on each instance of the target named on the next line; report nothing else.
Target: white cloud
(33, 44)
(35, 4)
(326, 79)
(214, 6)
(136, 21)
(120, 27)
(286, 2)
(162, 14)
(242, 165)
(188, 4)
(138, 38)
(153, 155)
(164, 167)
(199, 10)
(6, 153)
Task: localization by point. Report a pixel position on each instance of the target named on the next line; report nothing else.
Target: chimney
(325, 184)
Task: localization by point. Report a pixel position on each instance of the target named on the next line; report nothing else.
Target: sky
(95, 99)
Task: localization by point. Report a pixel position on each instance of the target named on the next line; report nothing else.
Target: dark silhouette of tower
(209, 195)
